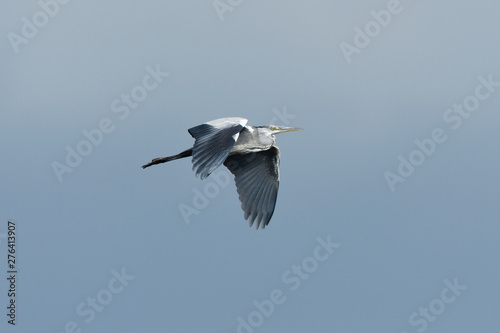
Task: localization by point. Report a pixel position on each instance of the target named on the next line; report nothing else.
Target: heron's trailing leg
(159, 160)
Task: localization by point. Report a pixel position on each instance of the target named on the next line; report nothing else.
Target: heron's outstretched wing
(213, 142)
(257, 181)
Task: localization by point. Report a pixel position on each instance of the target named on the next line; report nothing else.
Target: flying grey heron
(248, 152)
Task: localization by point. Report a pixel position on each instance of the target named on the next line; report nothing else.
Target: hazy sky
(387, 217)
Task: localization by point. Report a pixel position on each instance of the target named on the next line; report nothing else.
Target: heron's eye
(274, 128)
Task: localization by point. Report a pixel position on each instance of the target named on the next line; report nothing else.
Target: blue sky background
(396, 247)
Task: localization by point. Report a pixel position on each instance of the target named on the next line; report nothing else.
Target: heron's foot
(153, 162)
(148, 165)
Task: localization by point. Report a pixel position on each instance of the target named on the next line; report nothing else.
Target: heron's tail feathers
(159, 160)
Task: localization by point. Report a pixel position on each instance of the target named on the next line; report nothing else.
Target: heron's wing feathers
(213, 142)
(257, 181)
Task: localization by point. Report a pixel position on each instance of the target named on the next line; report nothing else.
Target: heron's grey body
(248, 152)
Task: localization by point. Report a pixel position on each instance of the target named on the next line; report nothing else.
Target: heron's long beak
(287, 129)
